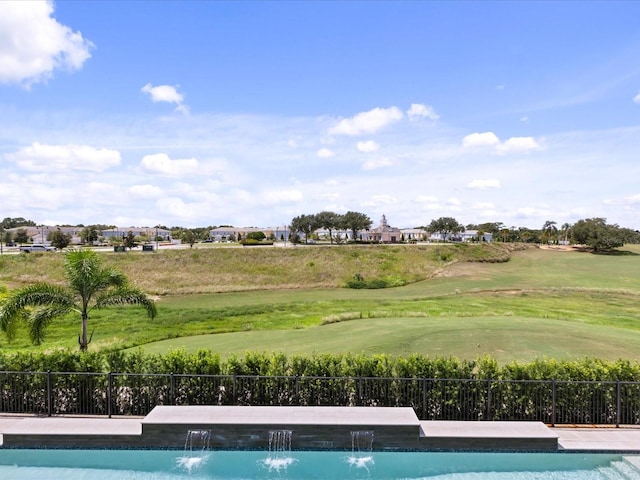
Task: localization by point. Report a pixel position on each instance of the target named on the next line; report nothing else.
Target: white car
(36, 248)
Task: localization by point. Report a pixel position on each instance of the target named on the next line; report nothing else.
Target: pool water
(23, 464)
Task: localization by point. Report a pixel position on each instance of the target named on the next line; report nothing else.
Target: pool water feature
(38, 464)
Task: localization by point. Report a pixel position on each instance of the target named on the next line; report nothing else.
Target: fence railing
(548, 401)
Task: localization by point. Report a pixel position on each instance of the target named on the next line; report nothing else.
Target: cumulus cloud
(511, 145)
(483, 184)
(636, 99)
(485, 139)
(368, 146)
(168, 94)
(33, 44)
(46, 158)
(161, 164)
(518, 145)
(367, 122)
(419, 110)
(325, 153)
(374, 164)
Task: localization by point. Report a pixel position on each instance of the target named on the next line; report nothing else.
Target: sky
(250, 113)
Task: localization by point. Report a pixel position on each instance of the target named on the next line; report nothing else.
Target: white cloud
(178, 208)
(485, 139)
(145, 191)
(330, 197)
(368, 146)
(278, 197)
(626, 201)
(33, 44)
(161, 164)
(483, 184)
(518, 145)
(419, 110)
(511, 145)
(425, 199)
(168, 94)
(58, 158)
(380, 200)
(453, 201)
(325, 153)
(524, 119)
(374, 164)
(636, 99)
(483, 206)
(367, 122)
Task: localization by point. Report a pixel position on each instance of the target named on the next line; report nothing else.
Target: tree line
(594, 233)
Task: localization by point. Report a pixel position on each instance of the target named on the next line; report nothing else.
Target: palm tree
(90, 285)
(550, 231)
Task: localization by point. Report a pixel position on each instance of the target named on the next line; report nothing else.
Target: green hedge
(205, 362)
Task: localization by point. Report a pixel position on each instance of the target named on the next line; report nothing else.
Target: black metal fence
(551, 402)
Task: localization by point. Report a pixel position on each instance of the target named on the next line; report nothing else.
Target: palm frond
(40, 318)
(16, 306)
(127, 295)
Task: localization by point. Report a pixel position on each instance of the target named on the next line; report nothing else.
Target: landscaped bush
(442, 388)
(205, 362)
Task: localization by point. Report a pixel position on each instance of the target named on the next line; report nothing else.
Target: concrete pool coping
(313, 427)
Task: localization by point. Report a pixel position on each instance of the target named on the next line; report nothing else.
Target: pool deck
(313, 427)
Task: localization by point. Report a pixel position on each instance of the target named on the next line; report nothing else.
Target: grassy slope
(505, 307)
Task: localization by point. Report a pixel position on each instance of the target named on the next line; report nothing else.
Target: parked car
(36, 248)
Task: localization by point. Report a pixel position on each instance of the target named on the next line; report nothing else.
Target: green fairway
(504, 338)
(562, 304)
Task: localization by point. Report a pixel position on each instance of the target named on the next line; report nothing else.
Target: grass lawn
(540, 303)
(504, 338)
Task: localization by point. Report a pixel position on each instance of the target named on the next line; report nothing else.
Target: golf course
(513, 303)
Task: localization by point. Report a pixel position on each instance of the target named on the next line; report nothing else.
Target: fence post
(172, 386)
(109, 394)
(234, 390)
(618, 403)
(488, 400)
(424, 399)
(49, 394)
(553, 403)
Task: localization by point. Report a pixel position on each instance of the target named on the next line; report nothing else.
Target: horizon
(200, 113)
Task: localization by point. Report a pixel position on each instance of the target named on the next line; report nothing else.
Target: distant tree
(130, 240)
(16, 222)
(491, 227)
(329, 221)
(8, 237)
(550, 232)
(597, 234)
(22, 236)
(59, 239)
(188, 236)
(306, 224)
(90, 285)
(257, 236)
(445, 226)
(355, 221)
(566, 230)
(89, 234)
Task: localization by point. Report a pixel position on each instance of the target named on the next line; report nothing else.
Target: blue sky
(250, 113)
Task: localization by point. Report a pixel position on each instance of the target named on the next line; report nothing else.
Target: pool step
(624, 469)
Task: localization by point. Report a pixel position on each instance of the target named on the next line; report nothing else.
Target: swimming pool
(24, 464)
